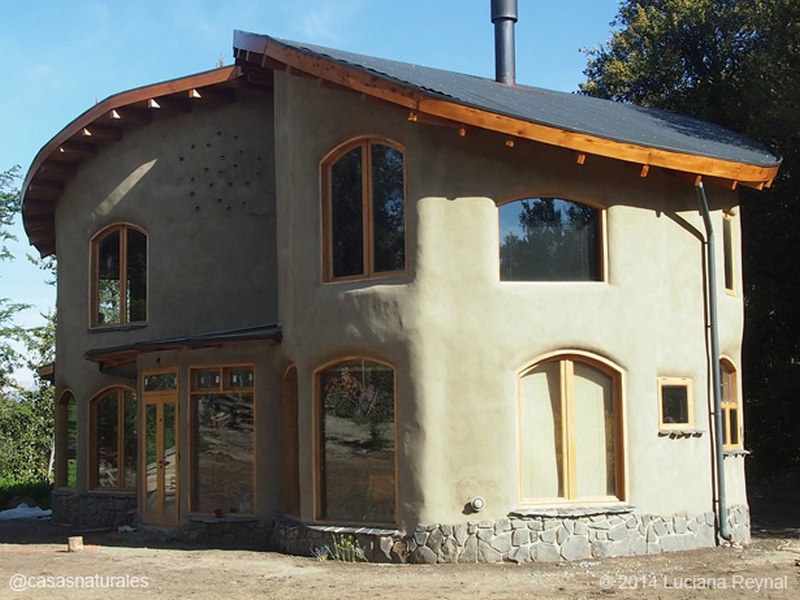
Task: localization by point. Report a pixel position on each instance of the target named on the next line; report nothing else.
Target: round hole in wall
(219, 133)
(180, 158)
(208, 145)
(191, 193)
(197, 209)
(235, 137)
(192, 146)
(222, 157)
(258, 157)
(235, 165)
(229, 208)
(205, 169)
(211, 184)
(219, 200)
(192, 179)
(230, 184)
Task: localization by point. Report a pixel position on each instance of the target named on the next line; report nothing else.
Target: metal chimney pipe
(504, 15)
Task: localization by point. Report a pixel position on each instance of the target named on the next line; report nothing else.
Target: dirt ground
(34, 564)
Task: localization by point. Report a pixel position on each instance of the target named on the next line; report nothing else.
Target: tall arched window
(731, 411)
(356, 442)
(119, 276)
(550, 239)
(570, 431)
(364, 211)
(114, 435)
(67, 441)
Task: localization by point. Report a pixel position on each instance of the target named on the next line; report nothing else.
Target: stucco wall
(201, 184)
(457, 336)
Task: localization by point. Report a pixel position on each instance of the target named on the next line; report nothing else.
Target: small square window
(675, 403)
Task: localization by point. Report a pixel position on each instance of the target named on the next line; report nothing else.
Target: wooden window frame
(684, 382)
(94, 308)
(367, 230)
(602, 250)
(318, 420)
(62, 439)
(728, 253)
(193, 443)
(566, 363)
(730, 403)
(93, 462)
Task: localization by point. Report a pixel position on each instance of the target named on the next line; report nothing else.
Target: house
(458, 318)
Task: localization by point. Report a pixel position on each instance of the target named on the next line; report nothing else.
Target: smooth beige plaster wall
(458, 336)
(201, 184)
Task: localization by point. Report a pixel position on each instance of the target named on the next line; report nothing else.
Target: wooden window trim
(731, 403)
(193, 444)
(684, 382)
(566, 372)
(729, 263)
(602, 250)
(367, 233)
(317, 420)
(93, 463)
(94, 308)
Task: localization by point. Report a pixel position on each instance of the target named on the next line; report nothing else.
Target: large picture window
(550, 239)
(357, 443)
(570, 426)
(223, 439)
(114, 438)
(67, 441)
(119, 276)
(364, 211)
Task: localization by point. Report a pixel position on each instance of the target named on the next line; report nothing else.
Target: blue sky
(60, 57)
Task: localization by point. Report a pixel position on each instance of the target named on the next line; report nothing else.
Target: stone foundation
(93, 510)
(225, 532)
(550, 535)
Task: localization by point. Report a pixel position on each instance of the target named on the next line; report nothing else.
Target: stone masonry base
(93, 510)
(522, 537)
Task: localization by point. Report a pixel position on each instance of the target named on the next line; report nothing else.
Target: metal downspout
(722, 507)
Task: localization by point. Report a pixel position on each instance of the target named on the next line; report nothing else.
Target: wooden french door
(160, 449)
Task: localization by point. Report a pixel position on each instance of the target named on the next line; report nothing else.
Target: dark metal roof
(571, 112)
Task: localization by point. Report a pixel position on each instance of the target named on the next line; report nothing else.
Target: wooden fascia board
(99, 112)
(381, 88)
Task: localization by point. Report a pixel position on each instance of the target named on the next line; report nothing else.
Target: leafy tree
(736, 63)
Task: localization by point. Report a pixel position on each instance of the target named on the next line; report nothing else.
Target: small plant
(346, 549)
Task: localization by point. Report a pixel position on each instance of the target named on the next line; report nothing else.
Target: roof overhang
(260, 51)
(107, 121)
(117, 357)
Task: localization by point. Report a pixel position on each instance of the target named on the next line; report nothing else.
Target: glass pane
(107, 424)
(358, 429)
(208, 379)
(733, 426)
(388, 204)
(160, 382)
(170, 459)
(108, 282)
(136, 276)
(549, 239)
(239, 377)
(223, 461)
(129, 441)
(71, 463)
(594, 433)
(151, 459)
(675, 404)
(541, 433)
(727, 245)
(347, 228)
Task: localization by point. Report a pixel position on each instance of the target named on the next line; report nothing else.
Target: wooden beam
(77, 149)
(57, 169)
(131, 115)
(102, 132)
(581, 158)
(396, 93)
(645, 171)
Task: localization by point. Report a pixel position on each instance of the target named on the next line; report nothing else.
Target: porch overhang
(120, 357)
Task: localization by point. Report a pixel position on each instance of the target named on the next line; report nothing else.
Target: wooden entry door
(160, 449)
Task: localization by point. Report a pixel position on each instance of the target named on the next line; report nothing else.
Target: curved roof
(588, 126)
(582, 123)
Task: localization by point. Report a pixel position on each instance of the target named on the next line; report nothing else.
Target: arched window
(570, 431)
(356, 442)
(731, 411)
(113, 456)
(67, 441)
(364, 211)
(119, 276)
(550, 239)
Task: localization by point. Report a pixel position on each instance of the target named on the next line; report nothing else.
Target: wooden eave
(254, 51)
(106, 122)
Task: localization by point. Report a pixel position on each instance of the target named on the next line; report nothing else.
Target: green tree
(736, 63)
